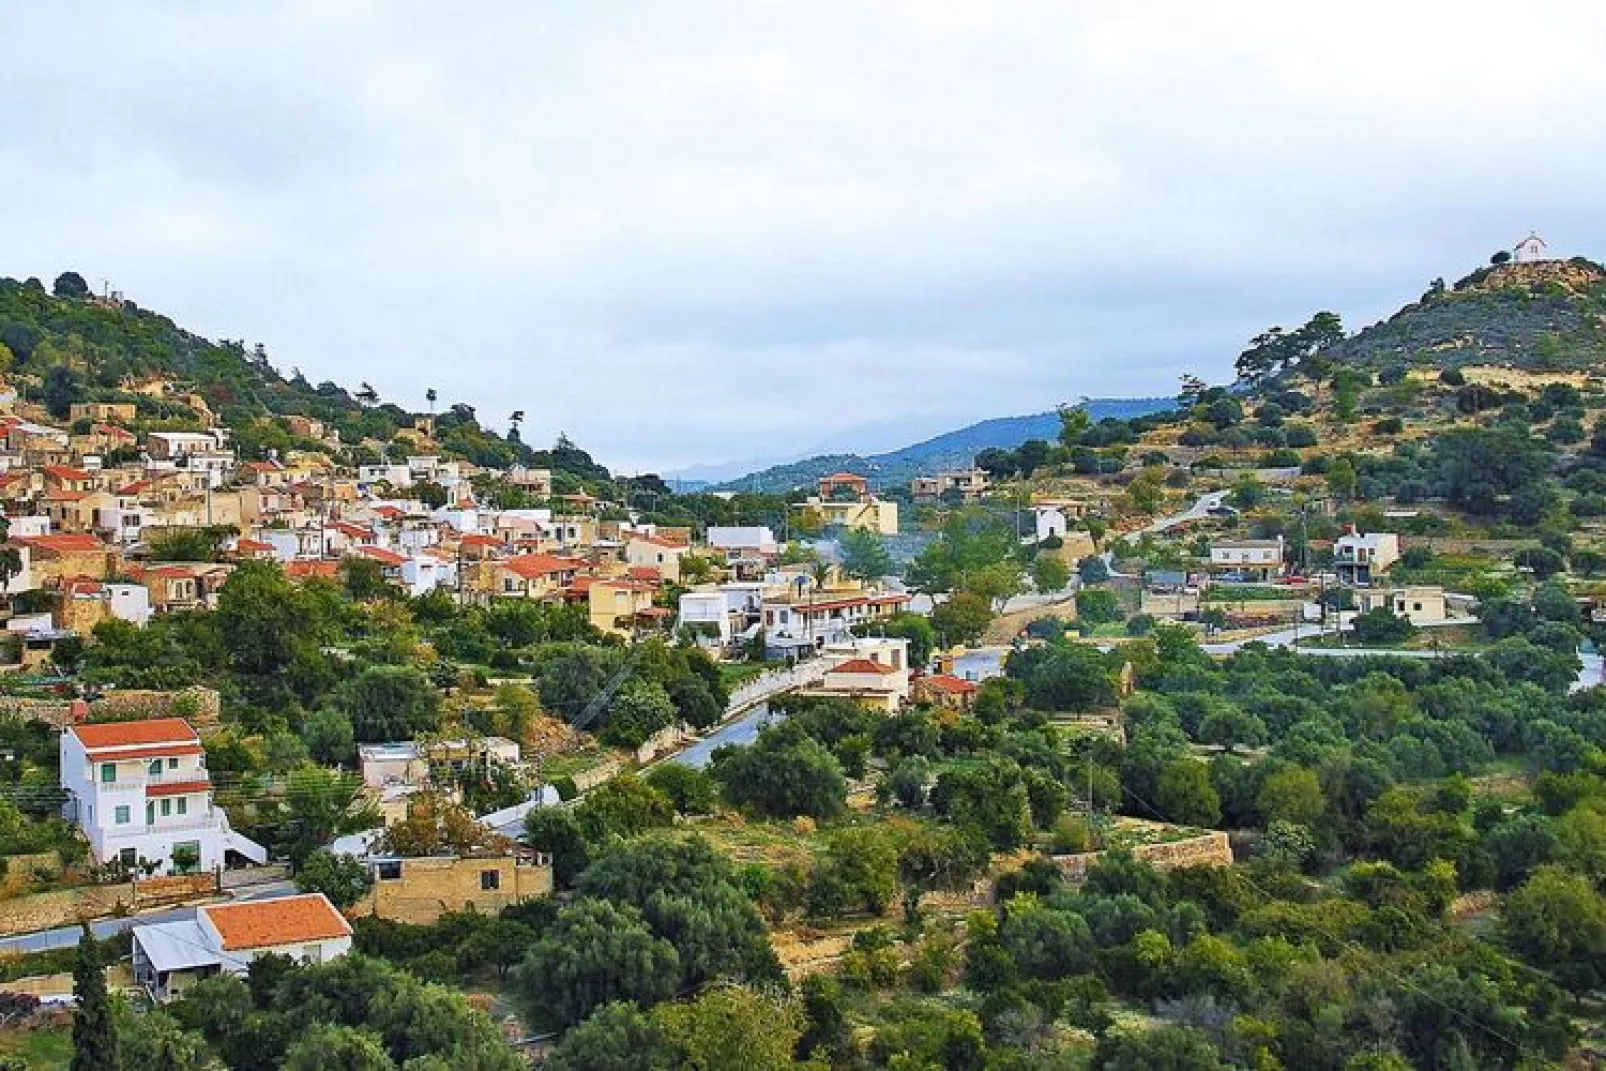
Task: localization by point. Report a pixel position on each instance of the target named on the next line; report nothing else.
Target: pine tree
(93, 1041)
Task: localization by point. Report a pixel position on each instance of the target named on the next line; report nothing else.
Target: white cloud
(685, 232)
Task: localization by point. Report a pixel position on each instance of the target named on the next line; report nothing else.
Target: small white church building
(1530, 249)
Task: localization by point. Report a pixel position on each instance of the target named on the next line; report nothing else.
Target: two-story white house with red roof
(141, 793)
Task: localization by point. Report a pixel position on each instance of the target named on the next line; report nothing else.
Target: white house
(815, 619)
(225, 938)
(1530, 249)
(172, 445)
(871, 670)
(709, 607)
(1050, 522)
(1360, 559)
(141, 793)
(1254, 559)
(743, 540)
(1420, 605)
(396, 475)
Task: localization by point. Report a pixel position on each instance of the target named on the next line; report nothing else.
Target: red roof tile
(63, 542)
(862, 665)
(946, 682)
(531, 566)
(178, 788)
(286, 921)
(112, 734)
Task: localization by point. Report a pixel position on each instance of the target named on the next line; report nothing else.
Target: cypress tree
(93, 1040)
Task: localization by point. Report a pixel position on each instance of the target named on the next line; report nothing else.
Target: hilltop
(68, 345)
(1539, 315)
(954, 449)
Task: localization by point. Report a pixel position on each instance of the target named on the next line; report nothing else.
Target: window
(183, 805)
(1416, 606)
(167, 808)
(122, 816)
(108, 772)
(490, 880)
(172, 764)
(389, 871)
(150, 813)
(312, 954)
(155, 768)
(128, 857)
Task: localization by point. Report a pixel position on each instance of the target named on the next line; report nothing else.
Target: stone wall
(201, 707)
(1209, 849)
(660, 742)
(68, 907)
(587, 780)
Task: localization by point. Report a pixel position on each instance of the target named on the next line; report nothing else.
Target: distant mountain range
(954, 449)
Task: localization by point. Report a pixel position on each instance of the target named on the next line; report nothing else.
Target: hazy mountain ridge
(953, 449)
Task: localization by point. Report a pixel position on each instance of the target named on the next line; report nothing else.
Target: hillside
(70, 346)
(1544, 315)
(954, 449)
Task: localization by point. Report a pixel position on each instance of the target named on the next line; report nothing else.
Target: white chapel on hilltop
(1530, 249)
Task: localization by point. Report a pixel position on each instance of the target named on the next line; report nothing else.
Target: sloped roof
(285, 921)
(861, 665)
(124, 734)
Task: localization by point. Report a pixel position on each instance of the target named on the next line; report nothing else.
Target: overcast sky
(695, 231)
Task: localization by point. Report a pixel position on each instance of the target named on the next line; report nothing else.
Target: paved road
(1198, 511)
(741, 731)
(67, 936)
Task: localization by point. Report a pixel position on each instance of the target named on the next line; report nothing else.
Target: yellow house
(532, 576)
(660, 554)
(617, 606)
(419, 890)
(845, 501)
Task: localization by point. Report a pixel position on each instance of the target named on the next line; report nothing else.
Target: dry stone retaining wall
(67, 907)
(1209, 849)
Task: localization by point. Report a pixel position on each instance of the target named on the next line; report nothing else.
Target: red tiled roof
(862, 665)
(531, 566)
(286, 921)
(127, 753)
(178, 788)
(380, 555)
(480, 541)
(649, 573)
(301, 569)
(63, 542)
(66, 472)
(112, 734)
(252, 546)
(947, 682)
